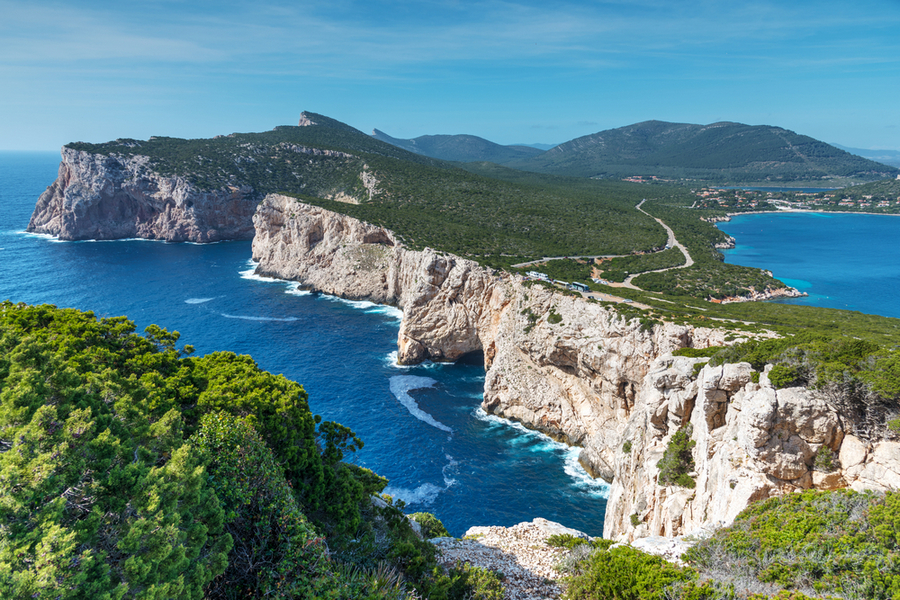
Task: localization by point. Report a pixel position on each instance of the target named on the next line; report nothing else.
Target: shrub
(277, 553)
(826, 460)
(635, 519)
(782, 376)
(470, 582)
(554, 318)
(625, 574)
(626, 447)
(677, 461)
(838, 542)
(431, 525)
(566, 540)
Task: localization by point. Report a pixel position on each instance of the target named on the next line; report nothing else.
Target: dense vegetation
(426, 202)
(794, 547)
(721, 152)
(130, 469)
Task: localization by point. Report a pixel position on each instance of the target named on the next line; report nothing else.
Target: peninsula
(693, 409)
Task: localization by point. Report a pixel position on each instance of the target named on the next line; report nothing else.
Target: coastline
(797, 210)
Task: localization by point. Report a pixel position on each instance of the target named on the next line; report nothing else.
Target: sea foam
(571, 466)
(197, 300)
(401, 385)
(250, 318)
(425, 494)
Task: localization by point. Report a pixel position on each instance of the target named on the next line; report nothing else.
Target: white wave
(124, 240)
(360, 304)
(401, 385)
(425, 494)
(390, 359)
(249, 318)
(47, 236)
(197, 300)
(294, 290)
(384, 309)
(573, 468)
(251, 275)
(449, 481)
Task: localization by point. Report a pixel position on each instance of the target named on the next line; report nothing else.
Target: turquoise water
(422, 426)
(847, 261)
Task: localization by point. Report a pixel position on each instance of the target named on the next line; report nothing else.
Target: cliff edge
(112, 197)
(580, 372)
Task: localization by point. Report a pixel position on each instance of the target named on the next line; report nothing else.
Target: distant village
(740, 200)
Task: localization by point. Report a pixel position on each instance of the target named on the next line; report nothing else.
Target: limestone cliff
(110, 197)
(580, 372)
(751, 442)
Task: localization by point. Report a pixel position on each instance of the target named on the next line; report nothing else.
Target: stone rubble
(519, 552)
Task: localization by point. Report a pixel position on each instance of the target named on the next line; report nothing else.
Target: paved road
(672, 243)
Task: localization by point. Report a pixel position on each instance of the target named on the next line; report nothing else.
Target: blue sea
(422, 426)
(847, 261)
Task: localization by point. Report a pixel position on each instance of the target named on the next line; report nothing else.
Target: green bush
(624, 573)
(470, 582)
(677, 461)
(782, 376)
(431, 525)
(839, 542)
(565, 540)
(277, 553)
(626, 447)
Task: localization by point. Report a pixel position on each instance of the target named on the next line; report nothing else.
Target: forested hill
(461, 148)
(425, 201)
(720, 152)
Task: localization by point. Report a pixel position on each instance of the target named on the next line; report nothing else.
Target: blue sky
(512, 72)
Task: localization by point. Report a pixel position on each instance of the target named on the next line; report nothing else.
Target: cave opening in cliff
(476, 358)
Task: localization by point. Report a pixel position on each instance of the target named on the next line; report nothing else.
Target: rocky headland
(113, 197)
(582, 373)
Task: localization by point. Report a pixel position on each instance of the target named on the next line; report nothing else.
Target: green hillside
(720, 152)
(426, 201)
(459, 148)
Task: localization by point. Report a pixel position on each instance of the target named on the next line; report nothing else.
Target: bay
(422, 426)
(842, 260)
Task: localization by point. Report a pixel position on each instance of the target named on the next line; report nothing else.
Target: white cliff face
(581, 373)
(751, 442)
(108, 197)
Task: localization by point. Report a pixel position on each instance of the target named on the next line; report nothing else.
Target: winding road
(672, 243)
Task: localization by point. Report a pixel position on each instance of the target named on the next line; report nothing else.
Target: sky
(509, 71)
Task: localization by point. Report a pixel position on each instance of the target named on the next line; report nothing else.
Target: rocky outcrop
(580, 372)
(112, 197)
(751, 442)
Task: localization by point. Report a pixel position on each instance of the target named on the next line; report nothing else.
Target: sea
(422, 426)
(841, 260)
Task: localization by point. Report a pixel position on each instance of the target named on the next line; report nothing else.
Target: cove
(846, 261)
(422, 426)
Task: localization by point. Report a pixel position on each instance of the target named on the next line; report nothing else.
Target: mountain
(460, 148)
(720, 152)
(887, 157)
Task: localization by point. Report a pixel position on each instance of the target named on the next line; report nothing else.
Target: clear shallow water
(846, 261)
(422, 426)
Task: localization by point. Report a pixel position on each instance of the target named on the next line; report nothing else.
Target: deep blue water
(847, 261)
(422, 426)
